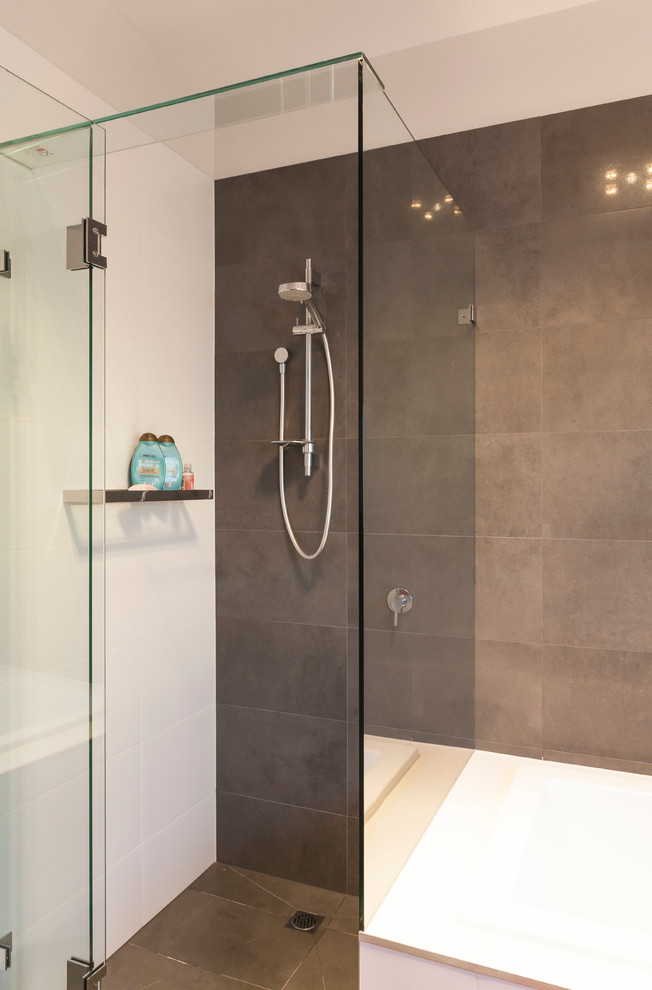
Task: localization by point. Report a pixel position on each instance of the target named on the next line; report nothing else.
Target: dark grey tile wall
(419, 502)
(562, 208)
(286, 661)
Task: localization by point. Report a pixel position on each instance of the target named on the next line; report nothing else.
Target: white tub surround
(534, 873)
(385, 762)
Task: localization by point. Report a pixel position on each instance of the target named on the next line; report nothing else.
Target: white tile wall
(160, 560)
(160, 594)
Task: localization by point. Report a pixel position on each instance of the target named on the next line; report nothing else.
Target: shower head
(295, 291)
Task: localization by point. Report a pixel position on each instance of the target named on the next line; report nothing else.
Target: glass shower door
(51, 560)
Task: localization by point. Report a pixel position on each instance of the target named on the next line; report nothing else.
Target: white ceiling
(447, 64)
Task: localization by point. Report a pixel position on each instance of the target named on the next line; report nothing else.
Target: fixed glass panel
(417, 498)
(51, 560)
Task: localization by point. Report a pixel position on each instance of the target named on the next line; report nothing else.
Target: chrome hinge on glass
(84, 245)
(82, 975)
(6, 945)
(5, 264)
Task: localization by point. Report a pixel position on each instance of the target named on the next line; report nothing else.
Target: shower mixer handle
(399, 601)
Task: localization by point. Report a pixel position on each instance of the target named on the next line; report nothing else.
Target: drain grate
(304, 921)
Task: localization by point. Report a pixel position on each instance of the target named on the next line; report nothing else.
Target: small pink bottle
(187, 479)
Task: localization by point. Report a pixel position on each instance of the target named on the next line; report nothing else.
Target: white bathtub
(385, 762)
(533, 872)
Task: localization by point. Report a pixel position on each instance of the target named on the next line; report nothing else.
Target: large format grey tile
(133, 968)
(597, 376)
(580, 147)
(282, 666)
(508, 277)
(508, 382)
(508, 589)
(395, 177)
(298, 209)
(419, 485)
(418, 387)
(353, 850)
(353, 674)
(415, 682)
(295, 843)
(247, 394)
(596, 267)
(414, 288)
(260, 573)
(596, 702)
(298, 896)
(598, 485)
(251, 316)
(437, 570)
(508, 694)
(223, 937)
(353, 769)
(247, 480)
(508, 485)
(305, 765)
(227, 882)
(493, 172)
(331, 965)
(597, 593)
(347, 916)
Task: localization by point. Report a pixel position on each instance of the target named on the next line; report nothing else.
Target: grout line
(286, 804)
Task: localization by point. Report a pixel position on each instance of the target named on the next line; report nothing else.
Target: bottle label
(149, 466)
(188, 482)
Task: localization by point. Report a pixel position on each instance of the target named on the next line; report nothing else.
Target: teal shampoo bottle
(173, 465)
(148, 463)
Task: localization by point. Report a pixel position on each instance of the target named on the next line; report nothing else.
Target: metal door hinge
(84, 245)
(5, 264)
(83, 976)
(6, 946)
(466, 316)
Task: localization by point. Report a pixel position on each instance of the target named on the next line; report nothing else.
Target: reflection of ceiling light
(448, 199)
(611, 190)
(631, 178)
(611, 174)
(437, 207)
(648, 184)
(649, 169)
(427, 216)
(456, 211)
(416, 204)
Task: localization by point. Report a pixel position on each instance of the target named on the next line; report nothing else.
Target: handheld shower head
(295, 291)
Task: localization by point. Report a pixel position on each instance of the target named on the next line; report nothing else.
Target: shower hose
(281, 461)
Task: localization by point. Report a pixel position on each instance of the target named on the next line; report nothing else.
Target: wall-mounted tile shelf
(80, 496)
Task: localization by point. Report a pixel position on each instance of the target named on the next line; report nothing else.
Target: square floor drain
(304, 921)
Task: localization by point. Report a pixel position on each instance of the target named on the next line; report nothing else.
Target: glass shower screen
(51, 553)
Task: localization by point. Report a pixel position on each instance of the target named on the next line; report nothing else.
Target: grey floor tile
(270, 961)
(225, 881)
(308, 975)
(228, 939)
(331, 965)
(298, 895)
(338, 955)
(346, 918)
(133, 968)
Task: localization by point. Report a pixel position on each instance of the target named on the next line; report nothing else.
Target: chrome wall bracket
(466, 316)
(82, 975)
(84, 245)
(5, 264)
(6, 946)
